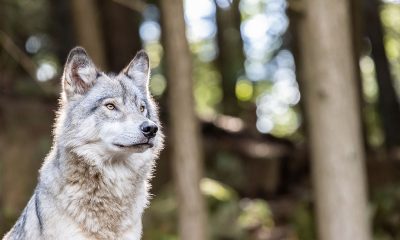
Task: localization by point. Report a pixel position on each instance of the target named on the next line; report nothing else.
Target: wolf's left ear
(79, 73)
(139, 70)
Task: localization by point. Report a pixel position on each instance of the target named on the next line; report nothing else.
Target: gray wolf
(94, 182)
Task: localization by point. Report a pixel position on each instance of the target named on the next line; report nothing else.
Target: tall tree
(88, 29)
(184, 126)
(122, 40)
(230, 56)
(388, 101)
(329, 89)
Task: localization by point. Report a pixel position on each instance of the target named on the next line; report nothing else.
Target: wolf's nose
(148, 129)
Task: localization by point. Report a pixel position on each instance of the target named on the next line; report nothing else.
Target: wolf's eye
(110, 106)
(142, 108)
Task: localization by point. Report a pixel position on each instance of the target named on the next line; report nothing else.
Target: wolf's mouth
(136, 145)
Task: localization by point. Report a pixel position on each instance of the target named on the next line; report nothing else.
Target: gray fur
(94, 182)
(38, 210)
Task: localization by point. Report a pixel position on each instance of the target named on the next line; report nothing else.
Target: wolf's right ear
(139, 70)
(79, 73)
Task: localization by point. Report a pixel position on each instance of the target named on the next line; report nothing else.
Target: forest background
(290, 110)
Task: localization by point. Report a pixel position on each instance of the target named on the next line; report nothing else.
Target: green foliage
(158, 83)
(160, 219)
(286, 123)
(390, 15)
(303, 222)
(207, 90)
(224, 210)
(255, 213)
(229, 216)
(386, 212)
(228, 168)
(244, 90)
(370, 94)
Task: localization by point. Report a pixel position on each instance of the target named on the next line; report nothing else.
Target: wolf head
(104, 117)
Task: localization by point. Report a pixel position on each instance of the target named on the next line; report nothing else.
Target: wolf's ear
(79, 73)
(139, 70)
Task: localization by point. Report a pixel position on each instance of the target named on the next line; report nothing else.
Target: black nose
(148, 129)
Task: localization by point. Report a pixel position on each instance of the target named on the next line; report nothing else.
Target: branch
(24, 60)
(20, 57)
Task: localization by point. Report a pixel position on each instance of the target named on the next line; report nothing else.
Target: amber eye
(142, 108)
(110, 106)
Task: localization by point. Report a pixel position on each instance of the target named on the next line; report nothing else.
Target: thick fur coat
(94, 183)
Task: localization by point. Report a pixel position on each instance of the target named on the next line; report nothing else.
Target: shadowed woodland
(282, 118)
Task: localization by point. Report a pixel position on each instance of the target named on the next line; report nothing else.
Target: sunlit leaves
(244, 90)
(157, 84)
(390, 15)
(370, 87)
(210, 187)
(255, 213)
(207, 90)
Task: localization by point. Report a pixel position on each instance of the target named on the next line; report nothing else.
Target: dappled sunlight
(224, 4)
(390, 15)
(392, 1)
(244, 90)
(370, 87)
(46, 71)
(210, 187)
(230, 124)
(33, 44)
(263, 25)
(205, 50)
(255, 213)
(158, 84)
(155, 51)
(200, 20)
(274, 107)
(207, 92)
(370, 94)
(150, 31)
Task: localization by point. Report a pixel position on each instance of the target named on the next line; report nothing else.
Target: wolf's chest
(104, 207)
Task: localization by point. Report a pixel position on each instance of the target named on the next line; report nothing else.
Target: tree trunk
(88, 30)
(122, 39)
(330, 94)
(388, 102)
(184, 128)
(230, 58)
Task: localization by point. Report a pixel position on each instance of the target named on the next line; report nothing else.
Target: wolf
(94, 183)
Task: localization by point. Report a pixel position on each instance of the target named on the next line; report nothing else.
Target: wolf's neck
(106, 172)
(110, 197)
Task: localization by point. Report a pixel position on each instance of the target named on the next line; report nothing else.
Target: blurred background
(251, 66)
